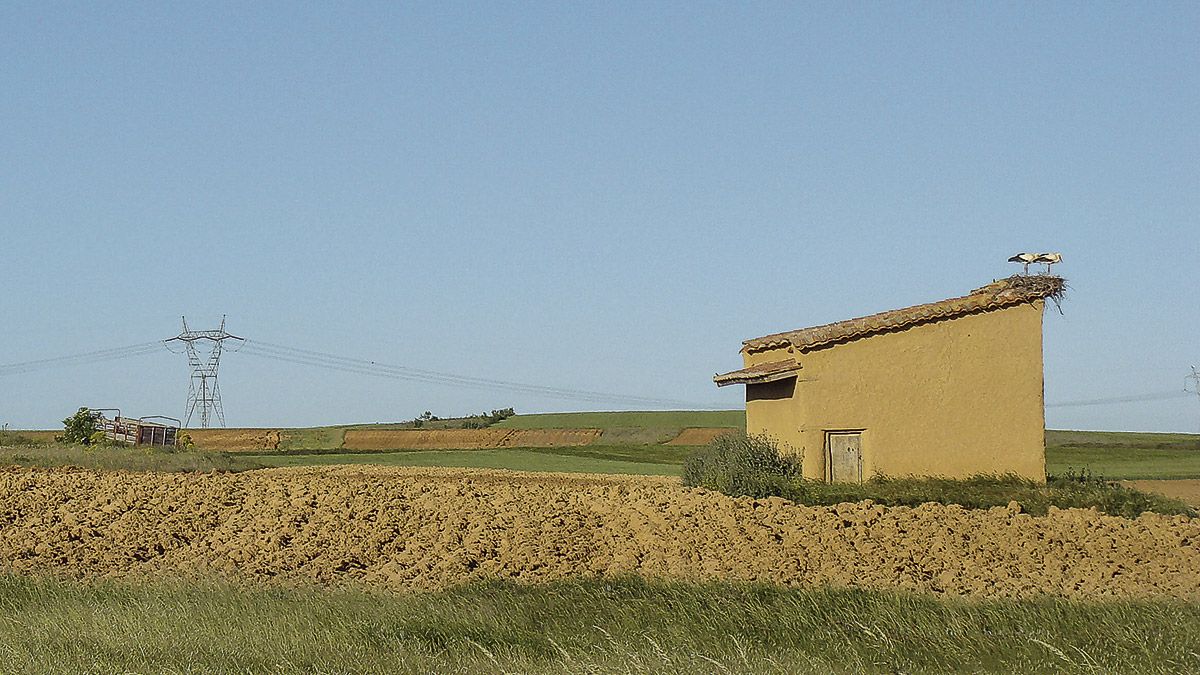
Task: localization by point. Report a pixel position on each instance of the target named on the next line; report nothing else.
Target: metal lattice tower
(1194, 381)
(204, 393)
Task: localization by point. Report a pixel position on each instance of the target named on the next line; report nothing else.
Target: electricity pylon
(1194, 380)
(204, 393)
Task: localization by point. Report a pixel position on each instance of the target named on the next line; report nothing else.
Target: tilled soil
(407, 529)
(550, 438)
(699, 435)
(1186, 490)
(424, 439)
(236, 440)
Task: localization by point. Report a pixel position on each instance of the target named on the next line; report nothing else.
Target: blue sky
(606, 197)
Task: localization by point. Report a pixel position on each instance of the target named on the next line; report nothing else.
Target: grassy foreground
(578, 626)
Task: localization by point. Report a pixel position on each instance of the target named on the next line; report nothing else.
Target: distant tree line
(480, 421)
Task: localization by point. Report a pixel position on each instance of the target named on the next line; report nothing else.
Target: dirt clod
(409, 529)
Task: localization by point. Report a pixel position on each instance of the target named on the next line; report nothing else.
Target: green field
(654, 460)
(1124, 455)
(632, 443)
(581, 626)
(670, 419)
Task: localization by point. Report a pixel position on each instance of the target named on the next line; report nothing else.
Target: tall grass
(578, 627)
(753, 466)
(139, 458)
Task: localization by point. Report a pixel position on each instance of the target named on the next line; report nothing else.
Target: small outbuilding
(952, 388)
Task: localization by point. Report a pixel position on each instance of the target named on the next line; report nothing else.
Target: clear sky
(606, 197)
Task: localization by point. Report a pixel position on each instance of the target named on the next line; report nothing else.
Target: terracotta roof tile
(1014, 290)
(760, 373)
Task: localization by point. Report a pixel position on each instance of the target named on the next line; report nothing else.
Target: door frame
(829, 450)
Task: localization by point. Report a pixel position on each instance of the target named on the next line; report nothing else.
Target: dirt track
(430, 528)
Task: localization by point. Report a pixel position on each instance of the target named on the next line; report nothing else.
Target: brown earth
(550, 438)
(698, 436)
(406, 529)
(424, 439)
(1183, 490)
(236, 440)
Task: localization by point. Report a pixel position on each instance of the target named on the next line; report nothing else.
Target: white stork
(1048, 259)
(1025, 259)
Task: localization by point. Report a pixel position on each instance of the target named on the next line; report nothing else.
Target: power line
(84, 358)
(376, 369)
(204, 394)
(1194, 380)
(1137, 398)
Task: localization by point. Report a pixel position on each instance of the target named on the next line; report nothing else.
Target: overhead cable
(1156, 396)
(85, 358)
(377, 369)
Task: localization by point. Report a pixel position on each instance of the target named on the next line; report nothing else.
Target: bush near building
(748, 465)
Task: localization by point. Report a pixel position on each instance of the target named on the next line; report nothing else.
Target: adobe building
(950, 388)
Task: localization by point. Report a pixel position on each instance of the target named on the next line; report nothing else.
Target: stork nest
(1047, 286)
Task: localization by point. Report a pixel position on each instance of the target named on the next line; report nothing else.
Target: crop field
(669, 419)
(570, 460)
(591, 557)
(1124, 455)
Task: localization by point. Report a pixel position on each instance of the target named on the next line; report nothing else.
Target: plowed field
(236, 440)
(698, 436)
(429, 528)
(425, 439)
(550, 438)
(1183, 490)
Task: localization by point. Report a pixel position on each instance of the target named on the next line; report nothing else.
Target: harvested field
(406, 529)
(549, 438)
(236, 440)
(1183, 490)
(698, 436)
(466, 439)
(39, 436)
(424, 439)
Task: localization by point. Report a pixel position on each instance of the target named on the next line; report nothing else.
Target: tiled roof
(758, 374)
(1014, 290)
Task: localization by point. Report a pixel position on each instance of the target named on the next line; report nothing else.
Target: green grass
(587, 459)
(130, 459)
(738, 465)
(983, 492)
(639, 435)
(578, 627)
(312, 438)
(1123, 455)
(670, 419)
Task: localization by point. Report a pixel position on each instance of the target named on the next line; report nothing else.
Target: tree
(78, 428)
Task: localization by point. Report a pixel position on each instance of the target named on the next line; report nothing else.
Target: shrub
(80, 427)
(740, 464)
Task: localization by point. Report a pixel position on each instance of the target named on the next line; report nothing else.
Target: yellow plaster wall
(770, 408)
(955, 398)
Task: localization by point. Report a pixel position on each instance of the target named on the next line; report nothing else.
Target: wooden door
(845, 457)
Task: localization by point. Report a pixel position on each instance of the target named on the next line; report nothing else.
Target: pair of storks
(1028, 259)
